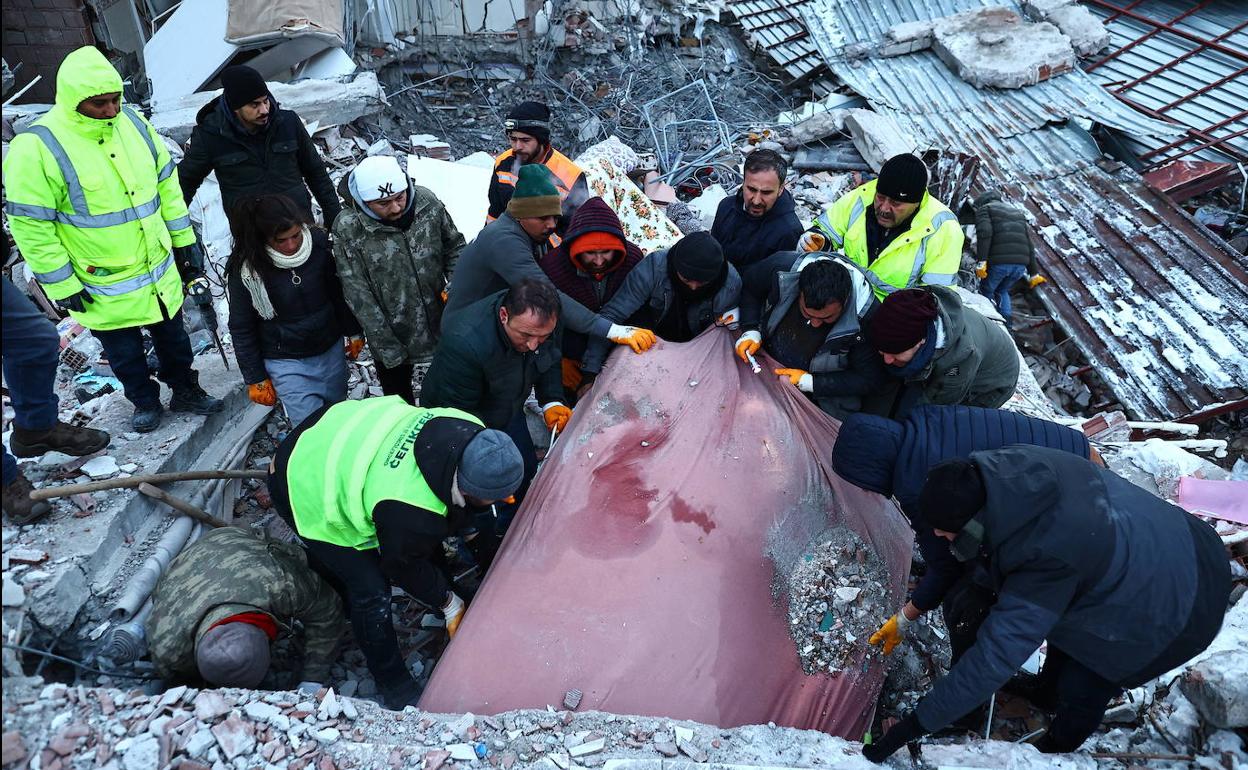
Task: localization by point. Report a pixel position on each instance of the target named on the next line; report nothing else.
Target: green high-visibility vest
(358, 454)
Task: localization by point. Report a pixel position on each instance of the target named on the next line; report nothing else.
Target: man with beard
(759, 220)
(528, 132)
(893, 228)
(396, 246)
(256, 148)
(677, 292)
(372, 488)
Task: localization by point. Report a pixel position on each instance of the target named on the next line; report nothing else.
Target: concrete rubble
(997, 48)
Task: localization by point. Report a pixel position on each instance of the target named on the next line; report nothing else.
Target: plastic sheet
(636, 569)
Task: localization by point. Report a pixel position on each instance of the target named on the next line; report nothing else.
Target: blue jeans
(31, 351)
(996, 286)
(307, 384)
(128, 359)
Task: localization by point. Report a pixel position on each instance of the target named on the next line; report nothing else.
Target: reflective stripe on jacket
(95, 204)
(568, 177)
(928, 254)
(357, 454)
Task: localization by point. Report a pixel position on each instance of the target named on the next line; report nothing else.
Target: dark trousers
(1076, 695)
(396, 381)
(128, 359)
(31, 350)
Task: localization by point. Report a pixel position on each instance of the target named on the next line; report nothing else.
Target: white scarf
(255, 284)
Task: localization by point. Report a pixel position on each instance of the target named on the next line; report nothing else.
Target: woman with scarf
(677, 292)
(287, 313)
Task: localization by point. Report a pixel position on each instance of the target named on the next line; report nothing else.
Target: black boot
(192, 398)
(146, 418)
(17, 503)
(61, 437)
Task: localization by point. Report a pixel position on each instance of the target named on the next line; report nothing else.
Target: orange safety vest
(561, 168)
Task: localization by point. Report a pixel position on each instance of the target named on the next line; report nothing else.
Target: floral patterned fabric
(606, 167)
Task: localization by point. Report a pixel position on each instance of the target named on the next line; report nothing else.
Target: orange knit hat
(595, 241)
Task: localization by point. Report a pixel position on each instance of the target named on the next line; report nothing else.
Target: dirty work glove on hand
(891, 633)
(354, 346)
(262, 393)
(453, 612)
(639, 340)
(556, 415)
(1035, 281)
(75, 302)
(802, 380)
(749, 344)
(198, 291)
(981, 270)
(811, 242)
(729, 318)
(905, 731)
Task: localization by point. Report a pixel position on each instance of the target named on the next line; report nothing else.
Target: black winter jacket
(892, 458)
(278, 160)
(1123, 582)
(310, 316)
(476, 368)
(746, 239)
(1002, 235)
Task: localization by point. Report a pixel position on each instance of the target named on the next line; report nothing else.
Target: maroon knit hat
(902, 320)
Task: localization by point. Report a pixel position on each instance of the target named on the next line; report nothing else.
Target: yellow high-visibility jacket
(96, 205)
(928, 254)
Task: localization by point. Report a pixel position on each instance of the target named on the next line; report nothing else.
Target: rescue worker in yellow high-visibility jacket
(894, 229)
(96, 210)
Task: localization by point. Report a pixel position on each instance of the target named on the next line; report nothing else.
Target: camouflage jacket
(229, 571)
(392, 279)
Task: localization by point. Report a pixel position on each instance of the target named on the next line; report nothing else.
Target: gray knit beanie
(491, 467)
(233, 655)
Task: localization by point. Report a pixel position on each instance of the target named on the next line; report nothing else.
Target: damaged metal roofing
(1157, 304)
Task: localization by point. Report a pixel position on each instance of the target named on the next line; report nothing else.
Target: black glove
(190, 262)
(198, 291)
(905, 731)
(76, 302)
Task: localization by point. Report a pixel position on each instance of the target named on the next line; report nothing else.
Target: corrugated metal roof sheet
(860, 24)
(775, 27)
(1168, 73)
(1157, 304)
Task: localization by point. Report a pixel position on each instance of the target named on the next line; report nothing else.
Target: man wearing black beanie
(676, 292)
(1123, 586)
(528, 131)
(894, 228)
(256, 148)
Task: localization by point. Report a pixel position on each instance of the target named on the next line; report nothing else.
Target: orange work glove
(811, 242)
(640, 340)
(571, 371)
(444, 295)
(354, 346)
(981, 270)
(262, 393)
(891, 633)
(556, 415)
(749, 344)
(802, 380)
(1036, 280)
(453, 612)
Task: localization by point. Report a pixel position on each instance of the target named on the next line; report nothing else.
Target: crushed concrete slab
(14, 594)
(997, 48)
(877, 137)
(1086, 32)
(101, 467)
(819, 126)
(325, 102)
(1218, 688)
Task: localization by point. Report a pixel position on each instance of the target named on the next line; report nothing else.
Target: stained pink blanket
(1220, 499)
(635, 570)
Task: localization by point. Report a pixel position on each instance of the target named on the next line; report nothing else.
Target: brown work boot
(17, 503)
(61, 437)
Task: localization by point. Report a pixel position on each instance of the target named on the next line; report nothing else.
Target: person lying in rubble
(760, 219)
(226, 598)
(892, 458)
(256, 148)
(527, 128)
(507, 250)
(807, 311)
(1123, 586)
(396, 247)
(590, 266)
(372, 488)
(490, 357)
(31, 353)
(679, 292)
(893, 227)
(288, 317)
(938, 351)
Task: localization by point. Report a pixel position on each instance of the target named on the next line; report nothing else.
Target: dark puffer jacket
(1002, 235)
(892, 458)
(1123, 582)
(571, 278)
(310, 316)
(276, 161)
(746, 239)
